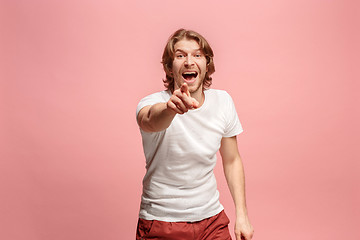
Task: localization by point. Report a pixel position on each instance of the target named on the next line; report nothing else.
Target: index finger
(185, 89)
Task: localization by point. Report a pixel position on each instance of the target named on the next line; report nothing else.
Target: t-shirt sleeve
(150, 100)
(233, 126)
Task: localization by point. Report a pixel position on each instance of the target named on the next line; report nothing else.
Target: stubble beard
(198, 86)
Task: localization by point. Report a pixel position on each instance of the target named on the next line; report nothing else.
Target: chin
(195, 88)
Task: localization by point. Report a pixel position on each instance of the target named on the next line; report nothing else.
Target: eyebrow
(181, 50)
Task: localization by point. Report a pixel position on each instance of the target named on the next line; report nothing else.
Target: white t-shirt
(179, 184)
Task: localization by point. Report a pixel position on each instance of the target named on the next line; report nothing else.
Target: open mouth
(189, 75)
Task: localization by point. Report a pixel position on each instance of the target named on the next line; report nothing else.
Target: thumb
(195, 103)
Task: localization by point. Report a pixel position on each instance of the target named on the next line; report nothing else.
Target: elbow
(232, 162)
(145, 125)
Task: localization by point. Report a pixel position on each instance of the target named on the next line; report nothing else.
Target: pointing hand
(181, 100)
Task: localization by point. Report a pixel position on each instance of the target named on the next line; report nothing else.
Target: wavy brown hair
(168, 56)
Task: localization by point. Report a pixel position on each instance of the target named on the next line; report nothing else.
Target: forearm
(235, 177)
(156, 117)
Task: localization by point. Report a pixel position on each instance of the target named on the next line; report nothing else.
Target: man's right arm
(159, 116)
(155, 118)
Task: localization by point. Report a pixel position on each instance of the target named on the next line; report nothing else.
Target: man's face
(189, 65)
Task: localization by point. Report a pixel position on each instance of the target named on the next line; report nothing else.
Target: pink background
(72, 73)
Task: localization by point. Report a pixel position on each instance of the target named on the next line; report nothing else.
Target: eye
(180, 55)
(198, 55)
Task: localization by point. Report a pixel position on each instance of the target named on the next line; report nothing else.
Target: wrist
(241, 212)
(168, 109)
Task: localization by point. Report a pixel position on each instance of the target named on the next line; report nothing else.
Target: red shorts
(213, 228)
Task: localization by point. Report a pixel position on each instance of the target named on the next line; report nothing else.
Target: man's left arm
(234, 174)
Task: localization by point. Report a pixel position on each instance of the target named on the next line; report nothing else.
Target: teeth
(189, 75)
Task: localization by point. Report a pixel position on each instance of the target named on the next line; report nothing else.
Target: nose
(189, 61)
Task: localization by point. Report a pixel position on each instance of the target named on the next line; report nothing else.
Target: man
(182, 129)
